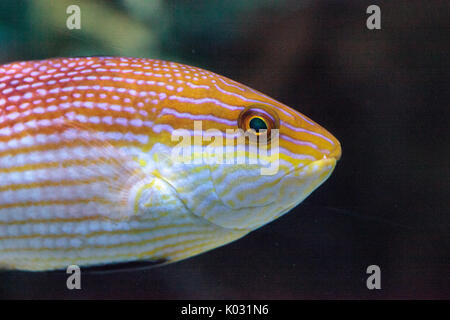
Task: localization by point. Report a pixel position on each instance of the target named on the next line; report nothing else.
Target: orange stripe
(49, 183)
(54, 202)
(56, 164)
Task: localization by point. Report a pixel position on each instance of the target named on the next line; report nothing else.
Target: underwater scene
(212, 150)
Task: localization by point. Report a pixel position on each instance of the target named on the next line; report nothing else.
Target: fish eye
(259, 119)
(257, 123)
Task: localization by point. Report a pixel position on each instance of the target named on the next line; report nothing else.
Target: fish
(90, 169)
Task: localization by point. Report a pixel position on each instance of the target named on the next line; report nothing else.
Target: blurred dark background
(383, 93)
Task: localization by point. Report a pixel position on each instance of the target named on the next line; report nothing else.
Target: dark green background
(383, 93)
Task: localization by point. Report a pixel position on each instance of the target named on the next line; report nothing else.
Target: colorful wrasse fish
(87, 176)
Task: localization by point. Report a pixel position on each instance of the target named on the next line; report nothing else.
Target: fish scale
(86, 175)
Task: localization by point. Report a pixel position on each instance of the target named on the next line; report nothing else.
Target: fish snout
(336, 152)
(332, 149)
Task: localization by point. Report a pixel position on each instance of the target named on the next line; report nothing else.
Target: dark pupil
(258, 124)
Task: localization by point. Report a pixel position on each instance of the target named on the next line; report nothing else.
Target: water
(383, 94)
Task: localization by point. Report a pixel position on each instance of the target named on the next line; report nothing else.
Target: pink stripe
(197, 117)
(205, 100)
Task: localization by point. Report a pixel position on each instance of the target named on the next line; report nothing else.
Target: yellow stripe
(54, 202)
(59, 164)
(113, 246)
(97, 233)
(49, 183)
(118, 257)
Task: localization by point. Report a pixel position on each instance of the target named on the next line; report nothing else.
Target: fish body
(88, 176)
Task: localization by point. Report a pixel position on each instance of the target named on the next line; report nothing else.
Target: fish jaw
(301, 182)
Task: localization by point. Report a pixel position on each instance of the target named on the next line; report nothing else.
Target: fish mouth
(336, 153)
(319, 166)
(306, 179)
(316, 167)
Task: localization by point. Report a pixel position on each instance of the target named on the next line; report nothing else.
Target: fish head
(252, 157)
